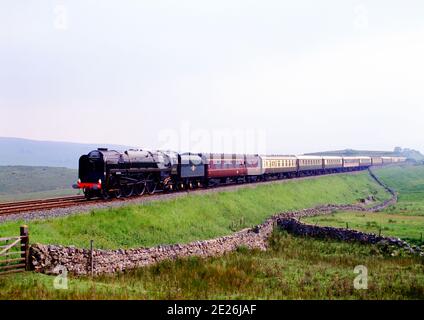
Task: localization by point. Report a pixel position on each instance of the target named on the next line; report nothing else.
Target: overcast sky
(280, 76)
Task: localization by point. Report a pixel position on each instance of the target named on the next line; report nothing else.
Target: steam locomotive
(108, 173)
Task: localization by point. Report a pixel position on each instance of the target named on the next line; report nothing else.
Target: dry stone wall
(45, 258)
(298, 228)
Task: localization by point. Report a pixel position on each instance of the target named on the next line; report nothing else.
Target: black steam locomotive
(108, 173)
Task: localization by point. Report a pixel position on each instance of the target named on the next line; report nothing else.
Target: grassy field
(404, 219)
(293, 268)
(24, 182)
(409, 182)
(196, 217)
(409, 228)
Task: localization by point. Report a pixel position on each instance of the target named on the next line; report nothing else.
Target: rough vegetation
(293, 268)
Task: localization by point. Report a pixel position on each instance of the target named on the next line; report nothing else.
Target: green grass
(196, 217)
(25, 182)
(293, 268)
(408, 181)
(409, 228)
(404, 220)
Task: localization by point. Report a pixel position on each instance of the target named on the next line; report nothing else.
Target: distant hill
(397, 152)
(16, 151)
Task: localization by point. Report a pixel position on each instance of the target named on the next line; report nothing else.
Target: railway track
(41, 204)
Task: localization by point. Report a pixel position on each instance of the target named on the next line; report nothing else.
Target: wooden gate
(14, 252)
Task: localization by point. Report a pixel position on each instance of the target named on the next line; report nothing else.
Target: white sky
(292, 77)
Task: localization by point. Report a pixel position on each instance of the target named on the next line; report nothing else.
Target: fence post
(24, 233)
(91, 257)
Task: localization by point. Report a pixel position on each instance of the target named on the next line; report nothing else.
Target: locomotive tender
(108, 173)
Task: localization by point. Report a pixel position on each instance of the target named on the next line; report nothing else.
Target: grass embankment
(405, 219)
(293, 268)
(408, 181)
(25, 182)
(196, 217)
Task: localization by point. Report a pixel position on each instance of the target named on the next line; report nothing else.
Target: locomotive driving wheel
(118, 193)
(123, 191)
(127, 190)
(140, 188)
(151, 184)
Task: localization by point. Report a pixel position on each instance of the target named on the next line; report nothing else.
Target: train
(108, 174)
